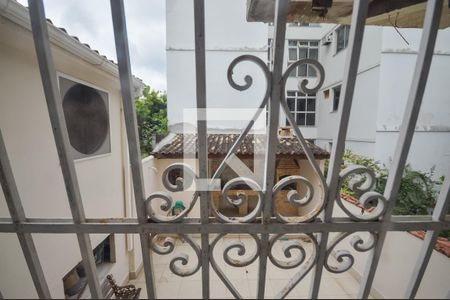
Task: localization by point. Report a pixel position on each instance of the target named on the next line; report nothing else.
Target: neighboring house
(99, 149)
(382, 86)
(385, 72)
(291, 160)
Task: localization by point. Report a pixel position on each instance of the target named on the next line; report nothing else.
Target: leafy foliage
(418, 189)
(151, 111)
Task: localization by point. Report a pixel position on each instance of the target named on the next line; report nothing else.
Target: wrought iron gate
(266, 226)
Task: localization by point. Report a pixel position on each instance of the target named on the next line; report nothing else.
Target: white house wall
(431, 142)
(223, 44)
(29, 141)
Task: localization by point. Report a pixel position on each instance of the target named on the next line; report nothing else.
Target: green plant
(418, 189)
(151, 111)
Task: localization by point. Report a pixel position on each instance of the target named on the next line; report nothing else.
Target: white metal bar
(398, 223)
(202, 134)
(54, 105)
(418, 84)
(17, 213)
(281, 8)
(359, 16)
(430, 239)
(126, 83)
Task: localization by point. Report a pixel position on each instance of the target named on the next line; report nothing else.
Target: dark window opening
(336, 96)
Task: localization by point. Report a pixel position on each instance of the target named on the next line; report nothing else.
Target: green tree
(151, 111)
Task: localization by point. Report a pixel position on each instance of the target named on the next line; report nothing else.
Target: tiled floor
(169, 285)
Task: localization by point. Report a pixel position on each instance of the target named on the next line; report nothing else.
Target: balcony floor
(169, 285)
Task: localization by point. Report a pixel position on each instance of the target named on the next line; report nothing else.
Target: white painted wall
(25, 125)
(398, 258)
(223, 44)
(431, 143)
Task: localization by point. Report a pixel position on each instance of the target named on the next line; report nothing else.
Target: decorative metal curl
(362, 185)
(344, 257)
(180, 258)
(248, 83)
(303, 86)
(293, 197)
(241, 197)
(234, 262)
(181, 184)
(300, 260)
(248, 79)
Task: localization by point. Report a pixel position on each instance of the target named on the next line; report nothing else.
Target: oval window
(86, 118)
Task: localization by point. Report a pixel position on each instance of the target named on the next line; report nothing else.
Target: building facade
(385, 72)
(99, 153)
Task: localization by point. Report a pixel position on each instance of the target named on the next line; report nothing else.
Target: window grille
(266, 227)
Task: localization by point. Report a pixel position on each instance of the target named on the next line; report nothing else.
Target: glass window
(310, 119)
(292, 54)
(336, 95)
(342, 34)
(302, 107)
(300, 49)
(291, 104)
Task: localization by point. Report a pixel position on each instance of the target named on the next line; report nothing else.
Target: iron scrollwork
(295, 256)
(242, 260)
(182, 183)
(344, 257)
(361, 181)
(180, 258)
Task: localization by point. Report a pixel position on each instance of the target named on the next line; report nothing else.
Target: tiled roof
(75, 38)
(220, 143)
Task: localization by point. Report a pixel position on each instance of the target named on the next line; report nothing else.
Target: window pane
(347, 33)
(301, 119)
(301, 105)
(311, 105)
(336, 95)
(314, 53)
(302, 70)
(303, 43)
(291, 93)
(310, 119)
(311, 72)
(292, 43)
(314, 44)
(291, 104)
(292, 54)
(294, 72)
(340, 39)
(302, 53)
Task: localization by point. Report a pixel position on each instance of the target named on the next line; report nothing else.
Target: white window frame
(346, 29)
(302, 44)
(296, 95)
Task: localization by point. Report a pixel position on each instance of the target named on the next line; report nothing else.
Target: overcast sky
(90, 21)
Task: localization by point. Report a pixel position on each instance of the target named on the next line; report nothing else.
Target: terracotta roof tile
(219, 145)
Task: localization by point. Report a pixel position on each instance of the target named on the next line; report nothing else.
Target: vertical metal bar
(281, 9)
(202, 138)
(359, 16)
(126, 83)
(423, 63)
(18, 216)
(54, 105)
(430, 239)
